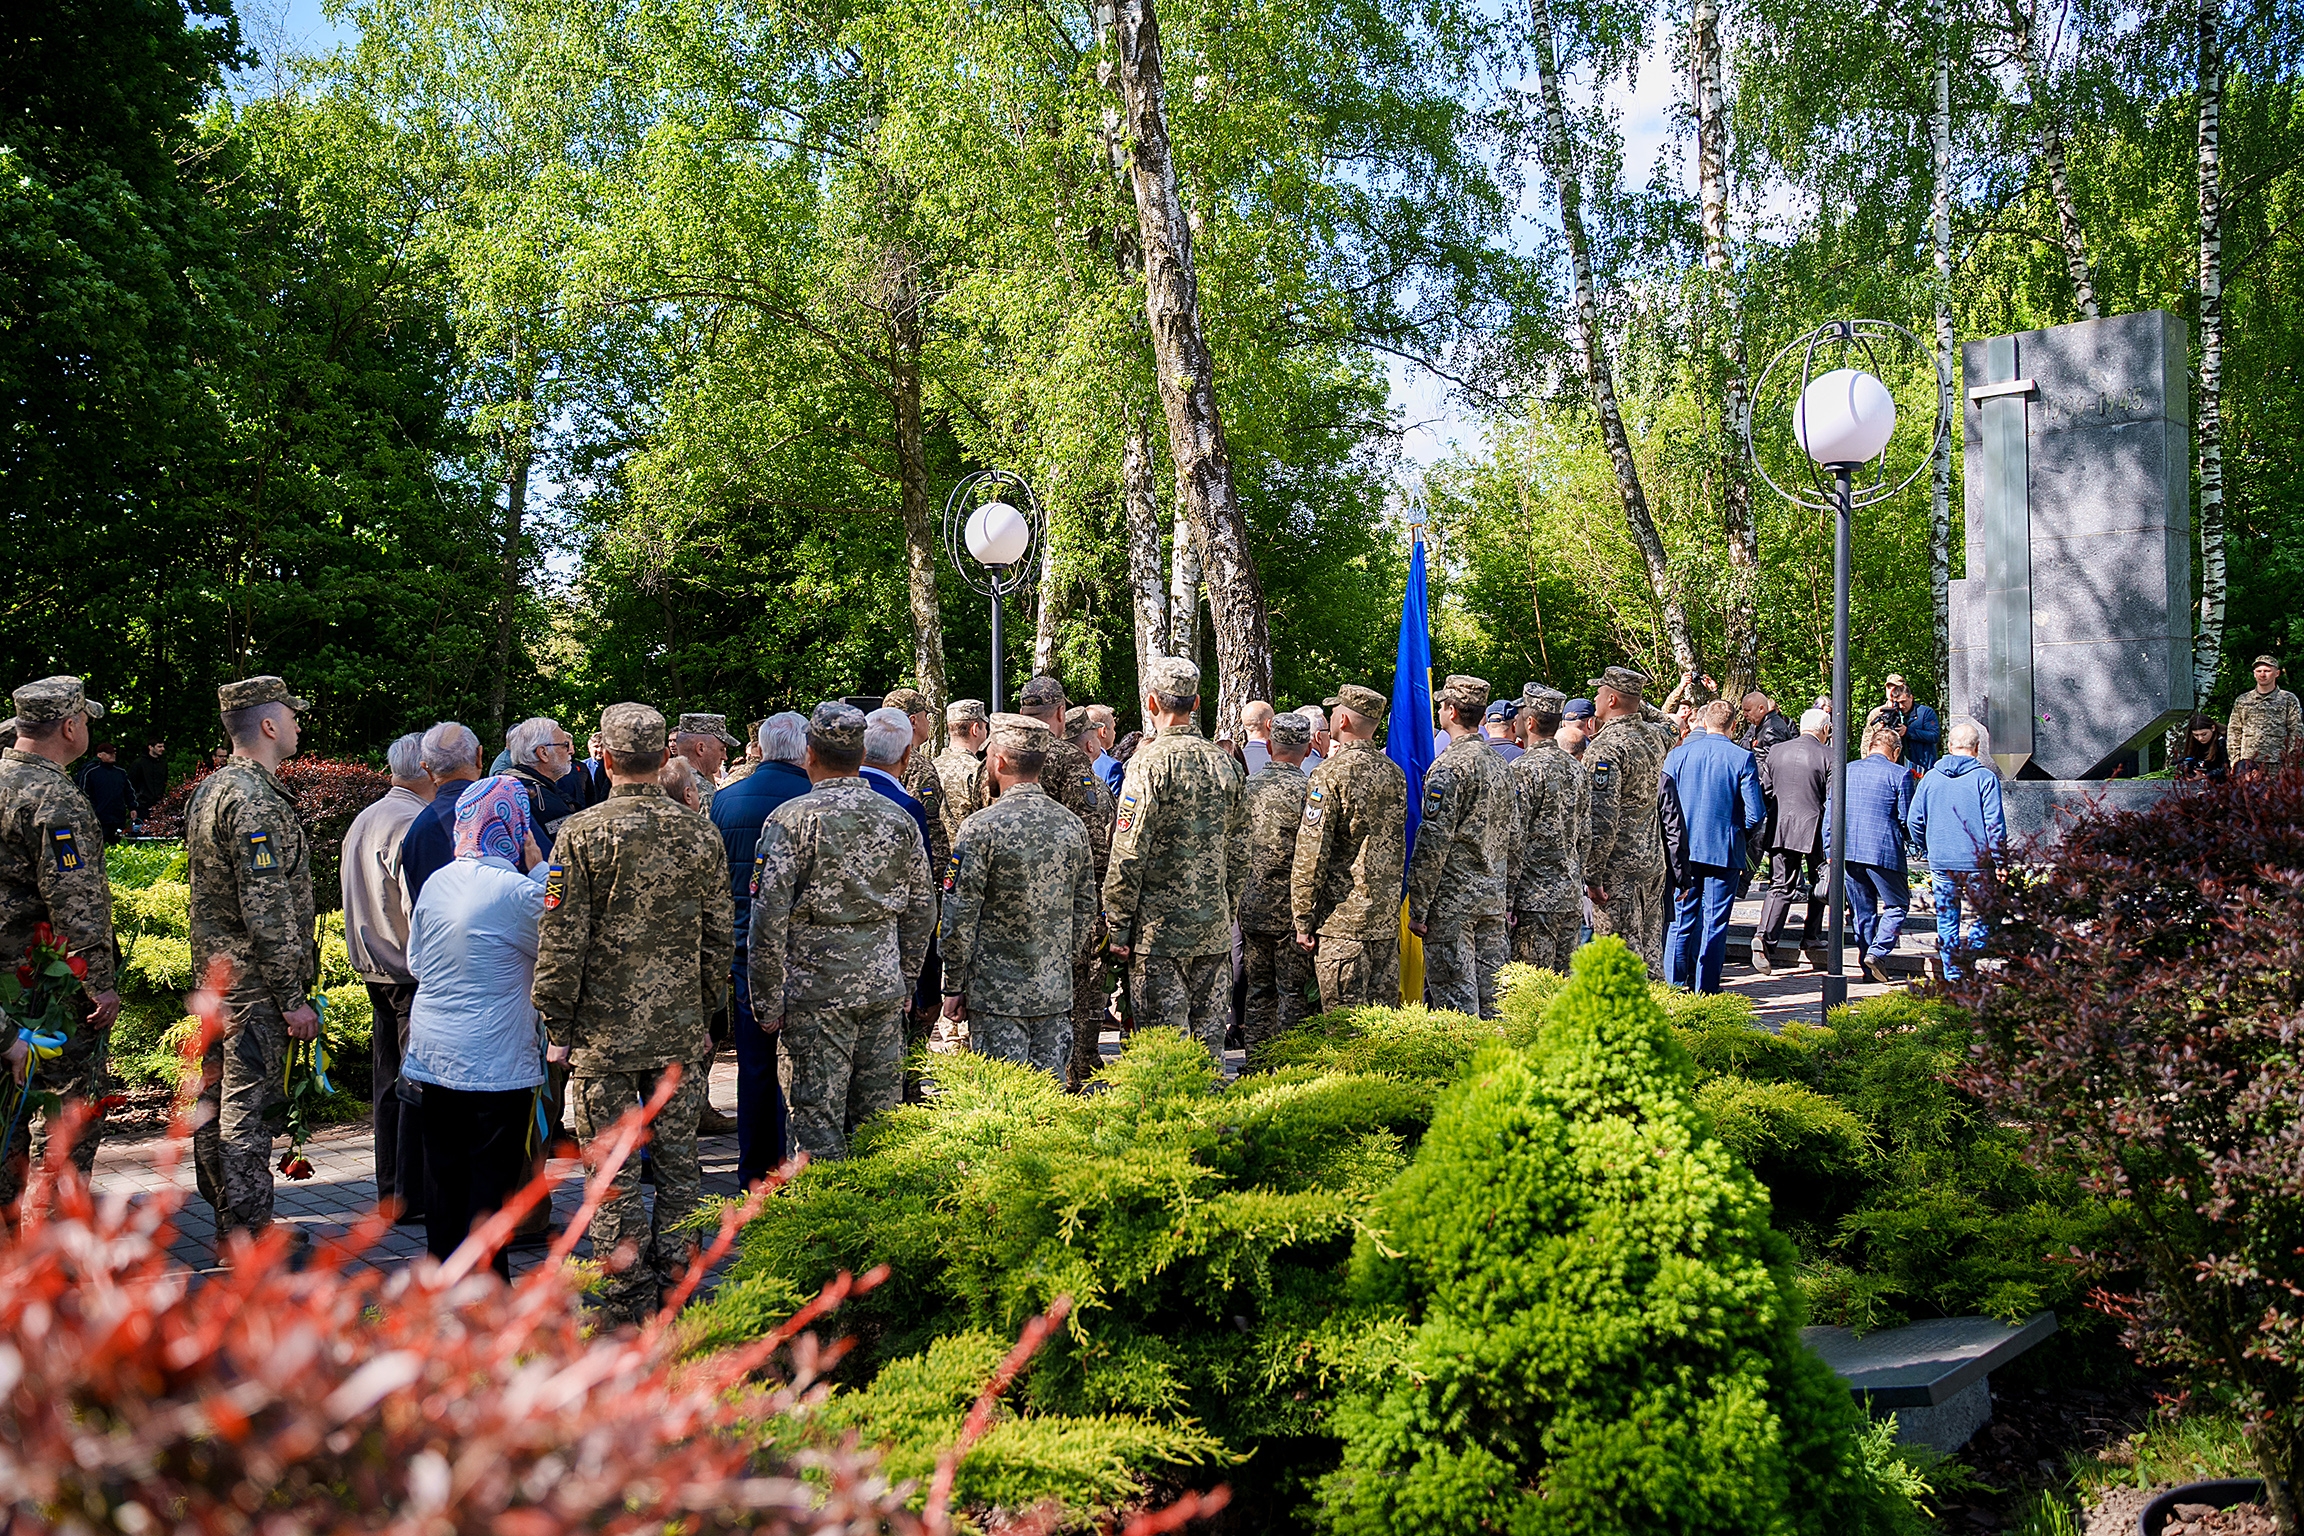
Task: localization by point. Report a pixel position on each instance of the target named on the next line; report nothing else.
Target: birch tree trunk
(1051, 605)
(906, 341)
(1560, 161)
(1140, 505)
(1187, 374)
(2069, 231)
(519, 441)
(1940, 471)
(1743, 528)
(1184, 592)
(2208, 643)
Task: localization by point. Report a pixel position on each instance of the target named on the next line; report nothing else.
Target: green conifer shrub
(1604, 1325)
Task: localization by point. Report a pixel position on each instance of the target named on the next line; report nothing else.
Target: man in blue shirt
(738, 812)
(1879, 810)
(1923, 731)
(1956, 820)
(1717, 787)
(1106, 727)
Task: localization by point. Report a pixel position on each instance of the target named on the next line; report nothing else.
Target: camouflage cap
(1021, 733)
(1463, 692)
(1542, 699)
(1290, 731)
(710, 725)
(1075, 720)
(965, 712)
(1624, 680)
(837, 727)
(1367, 703)
(60, 698)
(1041, 693)
(635, 728)
(1172, 677)
(910, 700)
(248, 693)
(2265, 661)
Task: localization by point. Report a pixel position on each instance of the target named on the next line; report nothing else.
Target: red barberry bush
(2147, 1026)
(327, 791)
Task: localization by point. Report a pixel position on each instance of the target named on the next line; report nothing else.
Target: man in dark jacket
(540, 755)
(110, 793)
(1956, 820)
(738, 812)
(1796, 775)
(1717, 788)
(149, 775)
(1879, 811)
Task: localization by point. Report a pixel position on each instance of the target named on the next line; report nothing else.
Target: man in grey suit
(1798, 777)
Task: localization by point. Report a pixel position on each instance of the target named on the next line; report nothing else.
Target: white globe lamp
(997, 534)
(1844, 417)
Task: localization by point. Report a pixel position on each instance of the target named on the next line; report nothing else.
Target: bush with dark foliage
(2148, 1028)
(328, 792)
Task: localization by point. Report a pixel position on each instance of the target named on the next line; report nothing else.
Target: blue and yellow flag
(1408, 742)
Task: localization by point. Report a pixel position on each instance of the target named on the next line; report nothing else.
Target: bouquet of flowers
(44, 1002)
(305, 1083)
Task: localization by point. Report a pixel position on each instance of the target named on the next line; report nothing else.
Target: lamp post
(993, 516)
(1842, 420)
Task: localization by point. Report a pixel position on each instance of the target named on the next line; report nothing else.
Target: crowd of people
(549, 941)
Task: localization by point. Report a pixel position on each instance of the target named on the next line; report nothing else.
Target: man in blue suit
(1879, 812)
(738, 813)
(1717, 786)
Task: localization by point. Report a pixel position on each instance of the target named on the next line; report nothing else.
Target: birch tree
(1741, 526)
(2208, 87)
(2048, 129)
(1940, 241)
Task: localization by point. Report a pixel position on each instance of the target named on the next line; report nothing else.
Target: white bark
(1598, 376)
(2208, 642)
(1742, 527)
(1940, 471)
(1050, 604)
(1184, 591)
(1140, 505)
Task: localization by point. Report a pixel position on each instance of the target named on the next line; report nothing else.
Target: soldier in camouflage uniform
(251, 902)
(1555, 819)
(2266, 722)
(1071, 781)
(921, 780)
(704, 740)
(1176, 866)
(1278, 967)
(1624, 861)
(52, 871)
(1344, 892)
(961, 761)
(632, 958)
(842, 909)
(1019, 909)
(1467, 855)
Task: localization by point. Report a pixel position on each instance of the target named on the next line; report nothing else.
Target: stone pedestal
(2072, 631)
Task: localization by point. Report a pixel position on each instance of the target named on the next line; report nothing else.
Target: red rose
(43, 935)
(297, 1167)
(79, 967)
(24, 974)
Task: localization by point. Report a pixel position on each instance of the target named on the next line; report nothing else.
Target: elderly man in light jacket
(376, 934)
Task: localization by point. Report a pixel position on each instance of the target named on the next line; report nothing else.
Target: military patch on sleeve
(260, 854)
(952, 871)
(1127, 812)
(66, 846)
(1314, 794)
(1431, 798)
(1312, 815)
(1088, 783)
(556, 885)
(1602, 772)
(759, 863)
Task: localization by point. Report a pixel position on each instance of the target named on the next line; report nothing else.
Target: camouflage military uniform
(1174, 881)
(251, 902)
(52, 871)
(957, 770)
(2264, 727)
(841, 913)
(632, 958)
(1019, 910)
(1345, 887)
(1278, 968)
(1555, 819)
(1625, 857)
(927, 787)
(1460, 876)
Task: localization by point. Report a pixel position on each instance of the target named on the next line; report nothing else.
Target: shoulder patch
(1088, 783)
(1314, 794)
(1603, 772)
(759, 863)
(1127, 813)
(64, 844)
(260, 854)
(1312, 815)
(952, 871)
(556, 885)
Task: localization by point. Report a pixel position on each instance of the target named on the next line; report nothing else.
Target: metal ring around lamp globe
(1855, 336)
(977, 490)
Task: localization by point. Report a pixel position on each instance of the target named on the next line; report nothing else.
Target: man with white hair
(738, 812)
(1958, 822)
(451, 756)
(1797, 776)
(887, 750)
(542, 754)
(1323, 742)
(376, 937)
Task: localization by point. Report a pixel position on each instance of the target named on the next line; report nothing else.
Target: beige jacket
(375, 903)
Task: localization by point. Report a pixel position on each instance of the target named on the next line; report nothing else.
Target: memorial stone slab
(1932, 1375)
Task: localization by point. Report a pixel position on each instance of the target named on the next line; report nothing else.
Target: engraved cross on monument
(2072, 632)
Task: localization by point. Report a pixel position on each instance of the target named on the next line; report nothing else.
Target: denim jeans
(1879, 899)
(1948, 890)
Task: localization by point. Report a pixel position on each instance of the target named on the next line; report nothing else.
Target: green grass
(133, 866)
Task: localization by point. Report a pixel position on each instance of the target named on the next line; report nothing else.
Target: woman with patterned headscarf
(473, 1038)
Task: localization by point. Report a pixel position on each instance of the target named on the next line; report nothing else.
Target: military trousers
(1044, 1042)
(77, 1072)
(1461, 959)
(239, 1081)
(1357, 973)
(1635, 910)
(1089, 998)
(1192, 993)
(642, 1251)
(1547, 939)
(1278, 973)
(840, 1067)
